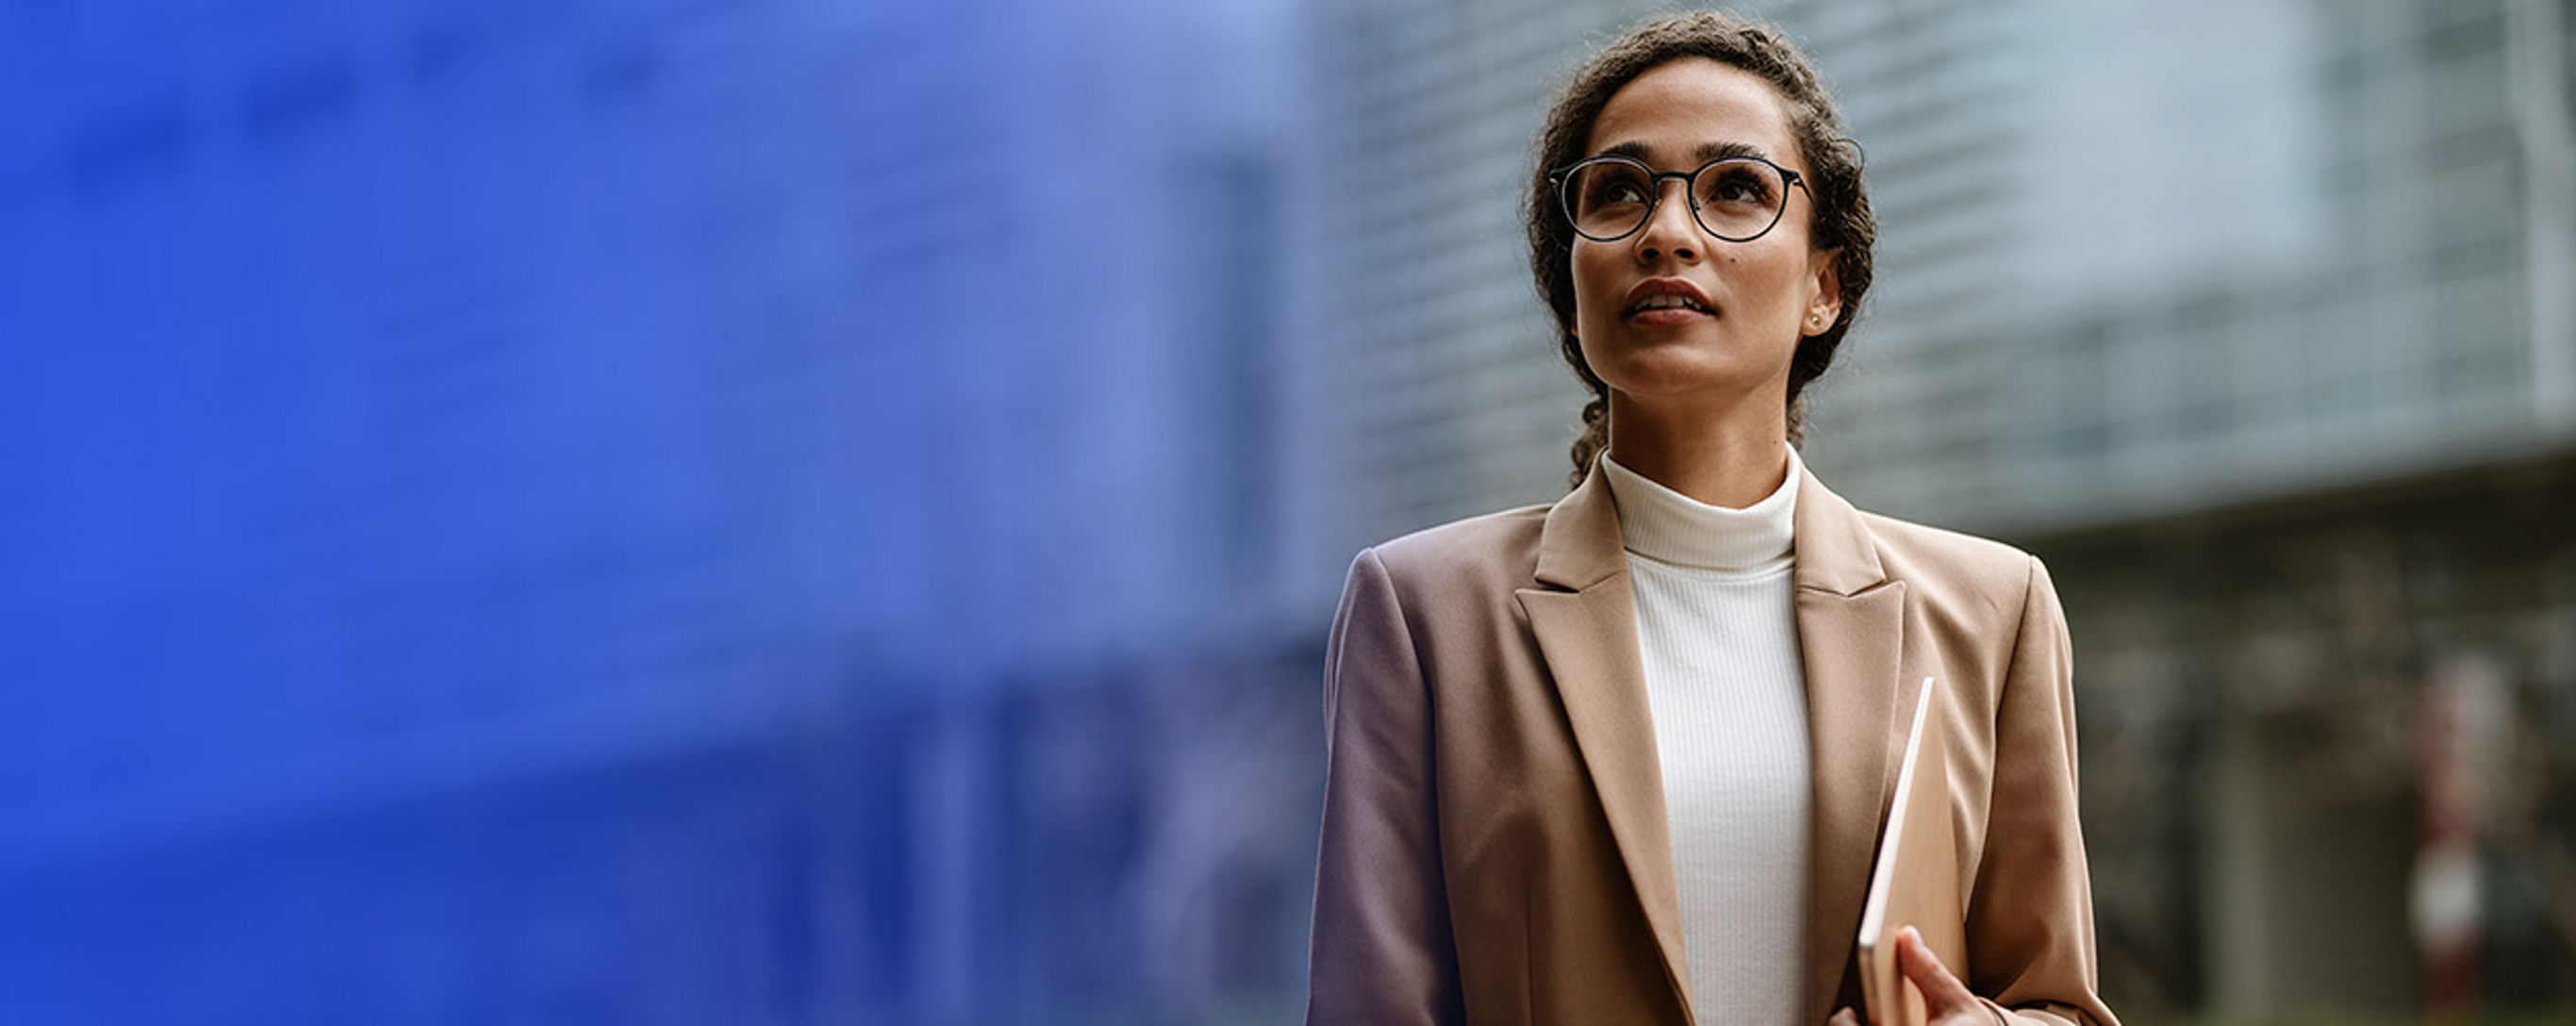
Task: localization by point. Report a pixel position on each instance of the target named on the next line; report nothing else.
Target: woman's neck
(1733, 459)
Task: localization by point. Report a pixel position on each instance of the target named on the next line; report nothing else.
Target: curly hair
(1843, 221)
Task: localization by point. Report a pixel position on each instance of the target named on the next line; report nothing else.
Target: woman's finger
(1846, 1017)
(1943, 994)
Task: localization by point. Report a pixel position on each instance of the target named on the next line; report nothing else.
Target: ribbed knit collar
(1669, 527)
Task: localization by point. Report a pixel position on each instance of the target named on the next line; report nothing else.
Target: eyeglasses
(1735, 198)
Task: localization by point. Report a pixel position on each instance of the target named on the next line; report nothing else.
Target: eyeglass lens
(1736, 200)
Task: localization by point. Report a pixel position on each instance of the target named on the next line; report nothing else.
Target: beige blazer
(1494, 841)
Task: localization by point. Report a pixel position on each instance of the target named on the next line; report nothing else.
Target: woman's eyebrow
(1704, 152)
(1709, 151)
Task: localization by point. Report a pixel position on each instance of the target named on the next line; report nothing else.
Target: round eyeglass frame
(1558, 178)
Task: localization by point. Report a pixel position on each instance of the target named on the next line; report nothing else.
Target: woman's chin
(1649, 372)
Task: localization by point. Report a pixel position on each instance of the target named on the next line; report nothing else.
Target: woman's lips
(1667, 302)
(1668, 316)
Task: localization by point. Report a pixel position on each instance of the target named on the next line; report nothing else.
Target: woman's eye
(1618, 192)
(1739, 189)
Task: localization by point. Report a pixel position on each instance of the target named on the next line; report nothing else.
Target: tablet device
(1915, 881)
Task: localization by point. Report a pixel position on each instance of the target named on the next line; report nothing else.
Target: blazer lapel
(1851, 625)
(1584, 617)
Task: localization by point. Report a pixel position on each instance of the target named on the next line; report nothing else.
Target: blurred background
(811, 511)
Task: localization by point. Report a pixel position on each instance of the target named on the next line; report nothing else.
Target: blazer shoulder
(1491, 554)
(1946, 565)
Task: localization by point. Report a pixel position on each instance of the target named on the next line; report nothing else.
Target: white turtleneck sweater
(1717, 625)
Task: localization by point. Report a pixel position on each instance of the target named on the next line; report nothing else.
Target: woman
(1623, 758)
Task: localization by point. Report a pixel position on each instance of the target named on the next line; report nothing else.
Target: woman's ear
(1825, 297)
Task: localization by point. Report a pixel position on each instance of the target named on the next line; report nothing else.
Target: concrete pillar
(949, 765)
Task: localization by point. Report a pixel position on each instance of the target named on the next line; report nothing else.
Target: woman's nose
(1670, 228)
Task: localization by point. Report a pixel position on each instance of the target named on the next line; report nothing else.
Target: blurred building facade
(750, 512)
(2253, 319)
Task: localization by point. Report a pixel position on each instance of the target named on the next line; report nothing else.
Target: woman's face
(1755, 299)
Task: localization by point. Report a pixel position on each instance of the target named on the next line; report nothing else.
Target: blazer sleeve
(2030, 922)
(1382, 951)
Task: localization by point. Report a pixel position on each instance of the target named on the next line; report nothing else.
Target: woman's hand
(1946, 1001)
